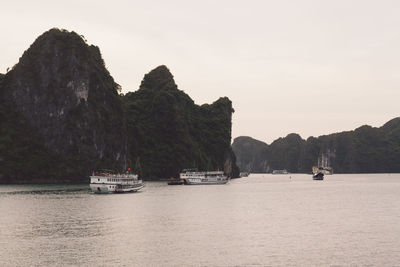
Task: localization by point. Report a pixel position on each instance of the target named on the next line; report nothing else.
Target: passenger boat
(244, 174)
(193, 177)
(323, 166)
(105, 181)
(284, 171)
(322, 169)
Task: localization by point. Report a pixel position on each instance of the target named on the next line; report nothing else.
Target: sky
(312, 67)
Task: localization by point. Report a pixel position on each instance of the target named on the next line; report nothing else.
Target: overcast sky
(309, 67)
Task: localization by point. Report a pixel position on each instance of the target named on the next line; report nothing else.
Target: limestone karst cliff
(251, 154)
(61, 116)
(167, 131)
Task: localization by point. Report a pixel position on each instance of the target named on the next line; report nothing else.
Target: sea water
(264, 219)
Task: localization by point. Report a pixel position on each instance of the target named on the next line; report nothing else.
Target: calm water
(345, 220)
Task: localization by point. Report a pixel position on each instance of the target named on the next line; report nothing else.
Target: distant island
(365, 150)
(62, 116)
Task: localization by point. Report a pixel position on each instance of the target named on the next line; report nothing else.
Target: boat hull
(176, 182)
(129, 190)
(189, 181)
(318, 176)
(111, 188)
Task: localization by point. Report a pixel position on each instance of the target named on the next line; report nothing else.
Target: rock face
(168, 132)
(364, 150)
(64, 93)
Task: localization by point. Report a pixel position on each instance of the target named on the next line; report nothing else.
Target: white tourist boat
(108, 182)
(244, 174)
(284, 171)
(193, 177)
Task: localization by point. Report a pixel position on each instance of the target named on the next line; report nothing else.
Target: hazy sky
(310, 67)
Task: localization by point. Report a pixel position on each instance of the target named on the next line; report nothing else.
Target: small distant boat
(193, 177)
(284, 171)
(318, 176)
(244, 174)
(106, 181)
(173, 181)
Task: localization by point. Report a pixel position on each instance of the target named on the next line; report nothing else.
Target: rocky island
(62, 116)
(365, 150)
